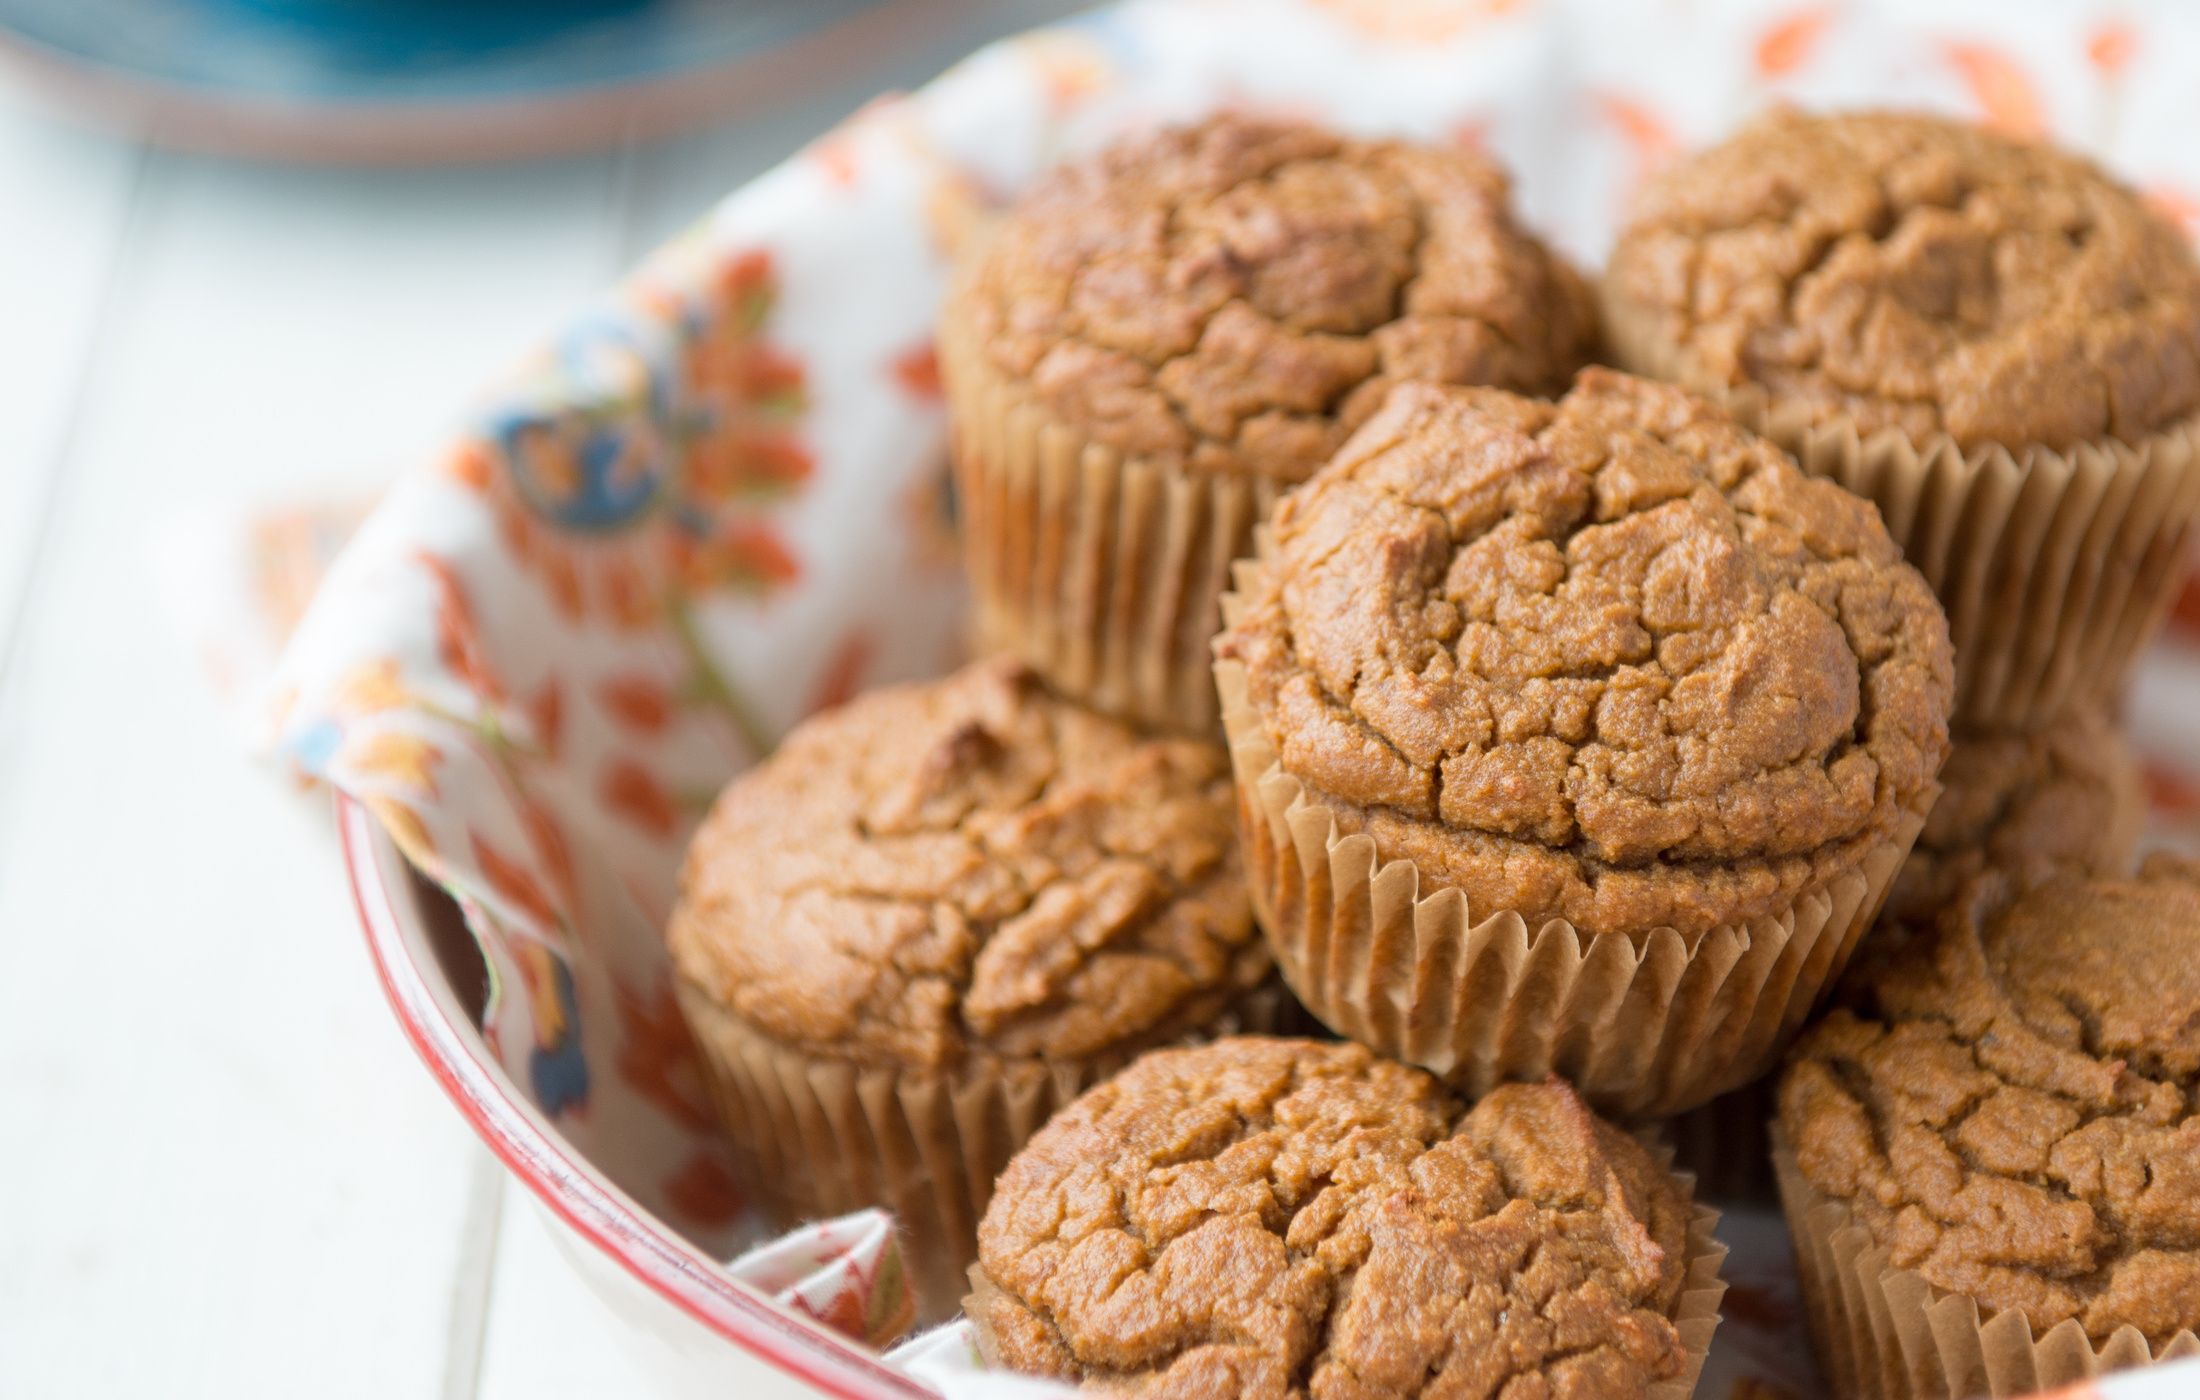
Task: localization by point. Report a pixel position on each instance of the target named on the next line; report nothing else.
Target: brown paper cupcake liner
(1695, 1316)
(2055, 567)
(1102, 572)
(1889, 1334)
(816, 1136)
(1645, 1026)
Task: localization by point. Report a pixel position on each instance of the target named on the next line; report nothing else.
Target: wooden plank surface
(230, 1176)
(61, 229)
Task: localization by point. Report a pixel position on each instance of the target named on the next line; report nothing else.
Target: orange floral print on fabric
(2171, 792)
(546, 715)
(631, 791)
(1646, 133)
(393, 754)
(835, 155)
(1787, 43)
(513, 883)
(704, 1189)
(751, 558)
(370, 688)
(547, 838)
(917, 371)
(404, 826)
(457, 637)
(844, 672)
(2007, 100)
(2110, 48)
(639, 702)
(653, 491)
(1069, 67)
(2184, 612)
(738, 463)
(1418, 21)
(2179, 206)
(658, 1057)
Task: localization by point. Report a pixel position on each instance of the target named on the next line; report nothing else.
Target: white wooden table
(222, 1173)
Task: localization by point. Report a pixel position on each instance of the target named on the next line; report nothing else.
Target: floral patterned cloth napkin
(718, 500)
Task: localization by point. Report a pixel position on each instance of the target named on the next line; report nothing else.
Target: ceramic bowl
(698, 1331)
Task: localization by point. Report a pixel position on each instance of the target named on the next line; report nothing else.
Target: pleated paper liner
(817, 1136)
(1645, 1026)
(2055, 567)
(1104, 573)
(1884, 1333)
(1695, 1315)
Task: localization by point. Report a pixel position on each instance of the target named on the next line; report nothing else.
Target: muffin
(1579, 737)
(1993, 340)
(934, 916)
(1272, 1218)
(1156, 342)
(1989, 1152)
(2064, 802)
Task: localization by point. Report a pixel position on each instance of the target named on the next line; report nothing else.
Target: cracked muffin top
(1913, 273)
(2064, 802)
(1612, 659)
(1271, 1218)
(1234, 296)
(970, 865)
(2010, 1103)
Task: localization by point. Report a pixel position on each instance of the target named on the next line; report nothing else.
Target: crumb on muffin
(1916, 273)
(1612, 659)
(2007, 1103)
(971, 864)
(1236, 294)
(1265, 1218)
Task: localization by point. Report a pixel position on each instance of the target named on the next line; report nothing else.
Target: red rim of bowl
(574, 1191)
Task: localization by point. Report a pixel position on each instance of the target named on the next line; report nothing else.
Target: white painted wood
(549, 1334)
(588, 1328)
(227, 1175)
(61, 222)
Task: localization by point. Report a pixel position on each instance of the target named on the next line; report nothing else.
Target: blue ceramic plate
(403, 79)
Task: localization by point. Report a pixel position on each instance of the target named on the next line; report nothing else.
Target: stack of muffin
(1574, 745)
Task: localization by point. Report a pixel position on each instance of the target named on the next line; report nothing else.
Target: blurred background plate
(433, 80)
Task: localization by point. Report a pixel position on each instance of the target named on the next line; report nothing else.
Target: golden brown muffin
(1582, 736)
(2006, 1106)
(1909, 272)
(1263, 1217)
(1612, 660)
(1235, 296)
(1158, 339)
(942, 895)
(1992, 340)
(2064, 802)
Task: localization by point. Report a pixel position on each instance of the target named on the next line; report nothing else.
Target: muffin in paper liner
(1696, 1317)
(818, 1136)
(2055, 567)
(1643, 1026)
(1161, 339)
(1889, 1334)
(1993, 340)
(1102, 572)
